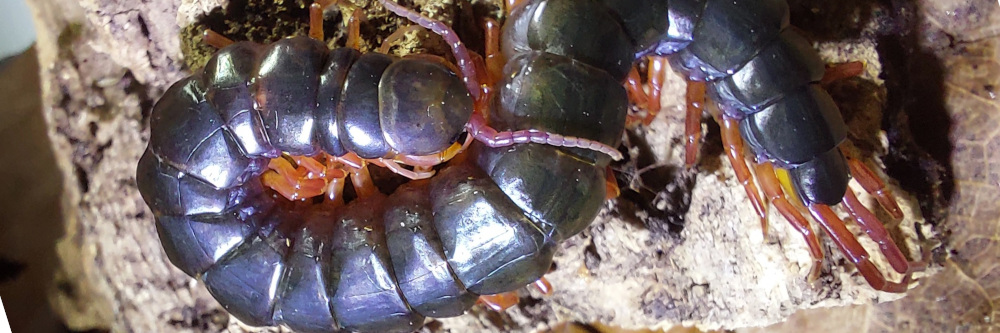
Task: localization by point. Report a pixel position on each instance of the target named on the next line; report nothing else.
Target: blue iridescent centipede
(258, 165)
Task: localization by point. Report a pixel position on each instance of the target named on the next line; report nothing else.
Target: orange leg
(610, 184)
(400, 170)
(657, 74)
(874, 185)
(499, 302)
(842, 71)
(435, 159)
(215, 39)
(335, 189)
(316, 21)
(503, 301)
(362, 181)
(291, 182)
(692, 121)
(543, 286)
(853, 250)
(309, 179)
(874, 228)
(638, 97)
(354, 29)
(494, 59)
(772, 189)
(511, 4)
(734, 151)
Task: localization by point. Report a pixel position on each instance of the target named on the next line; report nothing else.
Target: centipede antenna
(482, 132)
(457, 47)
(395, 36)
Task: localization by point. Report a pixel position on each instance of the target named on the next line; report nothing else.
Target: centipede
(329, 189)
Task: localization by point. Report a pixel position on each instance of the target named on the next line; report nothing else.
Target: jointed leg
(611, 189)
(316, 21)
(636, 94)
(511, 4)
(772, 189)
(309, 179)
(507, 300)
(362, 181)
(435, 159)
(692, 121)
(853, 250)
(398, 169)
(657, 74)
(494, 58)
(874, 228)
(215, 39)
(842, 71)
(874, 185)
(499, 302)
(733, 143)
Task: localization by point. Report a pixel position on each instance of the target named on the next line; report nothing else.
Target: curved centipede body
(490, 220)
(766, 80)
(386, 259)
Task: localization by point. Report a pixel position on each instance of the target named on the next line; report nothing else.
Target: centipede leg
(398, 169)
(291, 182)
(511, 4)
(853, 250)
(435, 159)
(543, 285)
(842, 71)
(733, 143)
(494, 58)
(771, 186)
(354, 29)
(316, 21)
(215, 39)
(874, 228)
(636, 94)
(695, 97)
(874, 186)
(499, 302)
(611, 189)
(503, 301)
(657, 74)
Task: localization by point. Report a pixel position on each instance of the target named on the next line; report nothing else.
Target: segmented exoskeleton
(489, 221)
(221, 142)
(765, 78)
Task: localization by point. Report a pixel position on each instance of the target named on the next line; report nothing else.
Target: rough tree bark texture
(104, 62)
